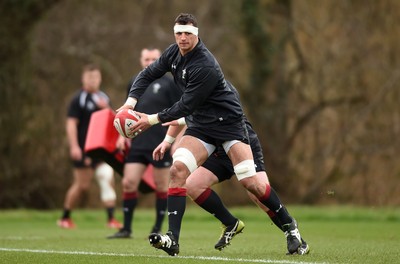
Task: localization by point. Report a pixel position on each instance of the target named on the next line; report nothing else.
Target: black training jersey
(82, 105)
(207, 96)
(161, 93)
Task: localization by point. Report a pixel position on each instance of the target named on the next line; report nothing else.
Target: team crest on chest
(183, 74)
(90, 106)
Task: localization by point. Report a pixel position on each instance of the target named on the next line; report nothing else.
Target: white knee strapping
(186, 157)
(228, 144)
(104, 175)
(245, 169)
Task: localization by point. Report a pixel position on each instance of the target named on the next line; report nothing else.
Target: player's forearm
(173, 131)
(72, 132)
(145, 78)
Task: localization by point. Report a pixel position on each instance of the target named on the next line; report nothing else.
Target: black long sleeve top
(207, 96)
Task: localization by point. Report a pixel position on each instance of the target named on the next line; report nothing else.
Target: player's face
(186, 41)
(148, 57)
(91, 80)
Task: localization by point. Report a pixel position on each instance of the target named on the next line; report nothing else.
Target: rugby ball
(123, 122)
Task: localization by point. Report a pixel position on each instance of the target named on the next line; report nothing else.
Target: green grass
(335, 234)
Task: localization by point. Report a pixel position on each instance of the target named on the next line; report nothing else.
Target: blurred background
(319, 81)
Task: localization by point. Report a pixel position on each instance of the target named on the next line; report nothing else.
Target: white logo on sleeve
(174, 213)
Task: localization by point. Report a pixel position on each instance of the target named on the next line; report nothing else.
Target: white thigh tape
(228, 144)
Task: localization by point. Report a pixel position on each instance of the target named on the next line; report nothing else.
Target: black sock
(110, 213)
(176, 209)
(210, 201)
(274, 218)
(66, 214)
(271, 200)
(161, 206)
(129, 204)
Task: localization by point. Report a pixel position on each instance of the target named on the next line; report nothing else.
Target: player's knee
(183, 161)
(254, 186)
(161, 186)
(82, 186)
(250, 184)
(178, 171)
(127, 184)
(104, 175)
(245, 169)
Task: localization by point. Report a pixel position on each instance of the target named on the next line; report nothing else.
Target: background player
(85, 102)
(161, 93)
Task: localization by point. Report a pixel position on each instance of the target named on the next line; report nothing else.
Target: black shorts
(80, 164)
(221, 166)
(219, 134)
(146, 157)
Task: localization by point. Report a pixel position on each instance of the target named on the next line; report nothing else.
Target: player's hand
(142, 124)
(125, 106)
(178, 122)
(102, 103)
(171, 123)
(87, 161)
(75, 153)
(159, 151)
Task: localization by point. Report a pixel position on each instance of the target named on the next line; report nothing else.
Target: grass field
(335, 234)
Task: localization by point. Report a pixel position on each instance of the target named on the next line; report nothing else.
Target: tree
(17, 20)
(314, 94)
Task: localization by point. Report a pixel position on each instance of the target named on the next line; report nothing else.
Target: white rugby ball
(123, 122)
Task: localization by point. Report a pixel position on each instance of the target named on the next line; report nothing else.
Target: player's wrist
(169, 139)
(153, 119)
(181, 121)
(131, 102)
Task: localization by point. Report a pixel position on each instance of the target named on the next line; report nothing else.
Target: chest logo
(183, 74)
(90, 106)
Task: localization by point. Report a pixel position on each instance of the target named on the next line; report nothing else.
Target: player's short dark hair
(185, 18)
(90, 67)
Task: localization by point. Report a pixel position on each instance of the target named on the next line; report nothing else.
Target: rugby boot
(304, 248)
(122, 233)
(66, 223)
(228, 233)
(165, 242)
(293, 237)
(113, 223)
